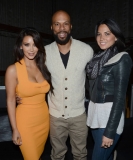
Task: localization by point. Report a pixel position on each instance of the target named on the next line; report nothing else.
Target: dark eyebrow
(108, 31)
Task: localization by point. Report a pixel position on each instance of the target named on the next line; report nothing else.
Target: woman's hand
(16, 137)
(106, 142)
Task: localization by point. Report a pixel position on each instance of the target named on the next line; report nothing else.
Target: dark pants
(100, 153)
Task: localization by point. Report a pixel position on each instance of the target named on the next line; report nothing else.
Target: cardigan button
(62, 115)
(65, 78)
(65, 106)
(65, 97)
(66, 88)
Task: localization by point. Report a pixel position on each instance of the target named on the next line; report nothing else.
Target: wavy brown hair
(40, 58)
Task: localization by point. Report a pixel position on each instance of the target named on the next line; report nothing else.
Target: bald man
(66, 60)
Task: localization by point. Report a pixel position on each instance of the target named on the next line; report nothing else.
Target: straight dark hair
(40, 58)
(115, 29)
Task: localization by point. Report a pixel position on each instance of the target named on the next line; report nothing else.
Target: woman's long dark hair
(40, 58)
(115, 29)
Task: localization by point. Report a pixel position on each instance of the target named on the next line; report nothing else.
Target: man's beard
(62, 42)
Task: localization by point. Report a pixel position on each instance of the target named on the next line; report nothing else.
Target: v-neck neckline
(37, 83)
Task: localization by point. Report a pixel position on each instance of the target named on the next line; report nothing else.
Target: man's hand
(106, 142)
(18, 99)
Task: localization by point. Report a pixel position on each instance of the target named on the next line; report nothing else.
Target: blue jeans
(100, 153)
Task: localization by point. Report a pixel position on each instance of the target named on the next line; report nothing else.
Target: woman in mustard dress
(29, 79)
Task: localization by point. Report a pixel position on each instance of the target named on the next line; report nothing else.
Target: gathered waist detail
(37, 105)
(33, 100)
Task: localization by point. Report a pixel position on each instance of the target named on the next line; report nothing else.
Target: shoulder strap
(21, 72)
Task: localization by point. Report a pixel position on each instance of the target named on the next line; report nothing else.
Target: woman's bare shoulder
(11, 70)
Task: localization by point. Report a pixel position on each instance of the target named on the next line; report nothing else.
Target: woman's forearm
(11, 107)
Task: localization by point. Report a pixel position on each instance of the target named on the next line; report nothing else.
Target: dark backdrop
(16, 14)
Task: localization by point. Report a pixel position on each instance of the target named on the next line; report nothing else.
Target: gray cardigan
(69, 90)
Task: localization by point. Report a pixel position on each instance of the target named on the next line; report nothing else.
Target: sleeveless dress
(32, 116)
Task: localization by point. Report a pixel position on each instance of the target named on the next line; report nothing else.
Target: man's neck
(64, 49)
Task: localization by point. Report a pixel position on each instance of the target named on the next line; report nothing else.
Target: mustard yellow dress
(32, 116)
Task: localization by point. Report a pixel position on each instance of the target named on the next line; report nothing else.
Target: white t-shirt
(98, 115)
